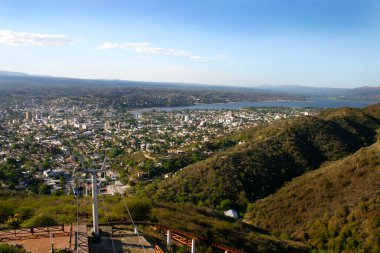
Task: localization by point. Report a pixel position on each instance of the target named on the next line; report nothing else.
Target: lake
(314, 102)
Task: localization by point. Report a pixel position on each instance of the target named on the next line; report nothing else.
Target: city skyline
(243, 43)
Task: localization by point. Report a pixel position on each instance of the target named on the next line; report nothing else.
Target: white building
(231, 213)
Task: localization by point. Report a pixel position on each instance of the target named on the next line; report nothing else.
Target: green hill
(334, 208)
(269, 157)
(20, 209)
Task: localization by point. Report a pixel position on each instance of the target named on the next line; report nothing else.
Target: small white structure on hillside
(231, 213)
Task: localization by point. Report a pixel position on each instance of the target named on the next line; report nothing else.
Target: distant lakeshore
(314, 102)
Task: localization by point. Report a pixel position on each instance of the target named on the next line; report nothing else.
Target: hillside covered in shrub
(268, 158)
(334, 208)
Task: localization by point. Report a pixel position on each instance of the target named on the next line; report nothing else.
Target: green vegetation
(269, 157)
(335, 208)
(310, 180)
(6, 248)
(215, 227)
(36, 210)
(42, 220)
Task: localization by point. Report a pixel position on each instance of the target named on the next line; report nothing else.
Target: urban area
(43, 144)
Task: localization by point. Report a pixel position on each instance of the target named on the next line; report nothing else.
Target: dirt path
(150, 157)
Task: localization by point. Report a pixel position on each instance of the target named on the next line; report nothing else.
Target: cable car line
(106, 214)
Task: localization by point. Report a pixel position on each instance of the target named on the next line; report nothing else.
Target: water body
(314, 102)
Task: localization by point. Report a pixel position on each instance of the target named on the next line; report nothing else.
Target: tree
(6, 248)
(44, 189)
(14, 222)
(5, 211)
(226, 204)
(62, 181)
(46, 164)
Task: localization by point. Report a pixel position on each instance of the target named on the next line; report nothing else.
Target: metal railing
(30, 233)
(178, 235)
(157, 249)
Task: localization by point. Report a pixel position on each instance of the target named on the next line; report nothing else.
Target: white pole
(95, 216)
(168, 238)
(51, 243)
(193, 246)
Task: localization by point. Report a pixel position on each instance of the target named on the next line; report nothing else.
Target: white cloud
(148, 48)
(12, 38)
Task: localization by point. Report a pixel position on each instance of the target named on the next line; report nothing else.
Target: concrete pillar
(168, 238)
(193, 246)
(95, 215)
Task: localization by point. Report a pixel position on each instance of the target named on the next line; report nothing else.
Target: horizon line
(249, 86)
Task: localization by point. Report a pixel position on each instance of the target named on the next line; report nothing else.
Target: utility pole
(51, 243)
(193, 245)
(168, 238)
(95, 192)
(95, 214)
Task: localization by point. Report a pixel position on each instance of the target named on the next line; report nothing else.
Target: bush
(6, 210)
(6, 248)
(14, 222)
(140, 209)
(25, 212)
(42, 220)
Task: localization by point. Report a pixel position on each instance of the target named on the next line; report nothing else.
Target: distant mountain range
(11, 73)
(14, 81)
(305, 90)
(360, 93)
(10, 81)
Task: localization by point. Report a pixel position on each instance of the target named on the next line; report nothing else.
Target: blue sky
(332, 43)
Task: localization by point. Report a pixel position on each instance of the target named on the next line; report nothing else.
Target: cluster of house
(58, 130)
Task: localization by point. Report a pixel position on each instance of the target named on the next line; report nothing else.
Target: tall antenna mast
(95, 192)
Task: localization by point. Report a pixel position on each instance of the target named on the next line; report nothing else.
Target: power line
(95, 204)
(133, 223)
(105, 212)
